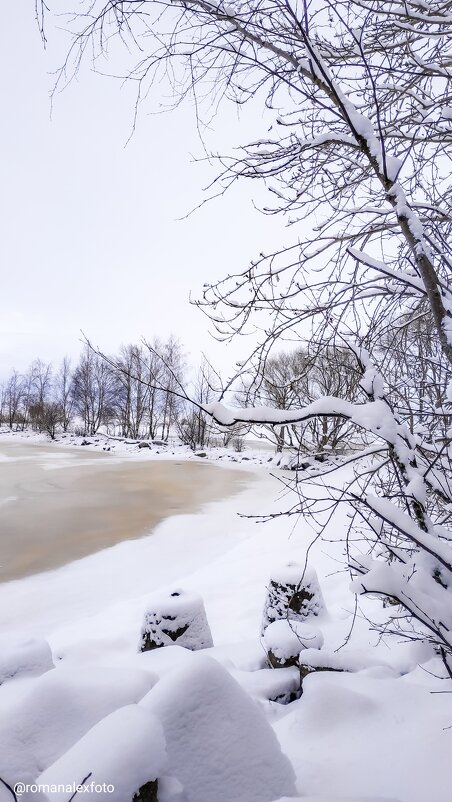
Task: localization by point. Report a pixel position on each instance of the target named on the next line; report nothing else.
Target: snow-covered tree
(355, 152)
(292, 379)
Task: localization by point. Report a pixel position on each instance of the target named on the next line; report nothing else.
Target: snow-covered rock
(120, 754)
(57, 710)
(171, 790)
(220, 745)
(23, 655)
(160, 662)
(178, 617)
(285, 639)
(294, 592)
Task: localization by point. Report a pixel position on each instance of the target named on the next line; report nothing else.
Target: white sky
(89, 237)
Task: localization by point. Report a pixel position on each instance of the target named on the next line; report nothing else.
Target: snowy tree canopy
(355, 153)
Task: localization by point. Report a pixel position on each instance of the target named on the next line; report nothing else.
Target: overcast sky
(89, 238)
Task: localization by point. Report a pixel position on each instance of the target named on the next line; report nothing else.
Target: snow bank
(178, 617)
(123, 751)
(349, 660)
(20, 654)
(364, 736)
(60, 707)
(337, 799)
(220, 745)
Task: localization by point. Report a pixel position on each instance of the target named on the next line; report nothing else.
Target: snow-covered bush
(293, 592)
(176, 618)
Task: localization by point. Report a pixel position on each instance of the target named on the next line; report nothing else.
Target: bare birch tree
(63, 393)
(93, 391)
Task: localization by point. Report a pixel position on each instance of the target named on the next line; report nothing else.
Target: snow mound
(348, 660)
(286, 638)
(170, 790)
(268, 684)
(337, 799)
(292, 573)
(124, 751)
(177, 617)
(329, 705)
(60, 707)
(20, 654)
(220, 745)
(161, 662)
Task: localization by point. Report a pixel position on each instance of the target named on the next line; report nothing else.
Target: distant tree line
(130, 395)
(142, 391)
(136, 394)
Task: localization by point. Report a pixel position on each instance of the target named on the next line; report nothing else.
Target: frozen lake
(58, 504)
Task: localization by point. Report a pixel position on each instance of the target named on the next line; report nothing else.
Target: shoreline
(61, 504)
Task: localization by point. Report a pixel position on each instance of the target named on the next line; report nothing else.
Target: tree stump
(176, 618)
(293, 592)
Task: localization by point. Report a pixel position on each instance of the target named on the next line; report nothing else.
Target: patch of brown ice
(57, 505)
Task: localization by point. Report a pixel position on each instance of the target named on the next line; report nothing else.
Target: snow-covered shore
(379, 731)
(256, 453)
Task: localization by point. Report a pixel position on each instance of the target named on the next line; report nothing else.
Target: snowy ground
(381, 731)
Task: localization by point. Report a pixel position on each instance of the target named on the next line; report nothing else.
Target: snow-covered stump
(293, 592)
(147, 792)
(176, 618)
(285, 641)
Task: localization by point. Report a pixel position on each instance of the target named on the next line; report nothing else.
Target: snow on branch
(373, 416)
(426, 600)
(381, 267)
(396, 517)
